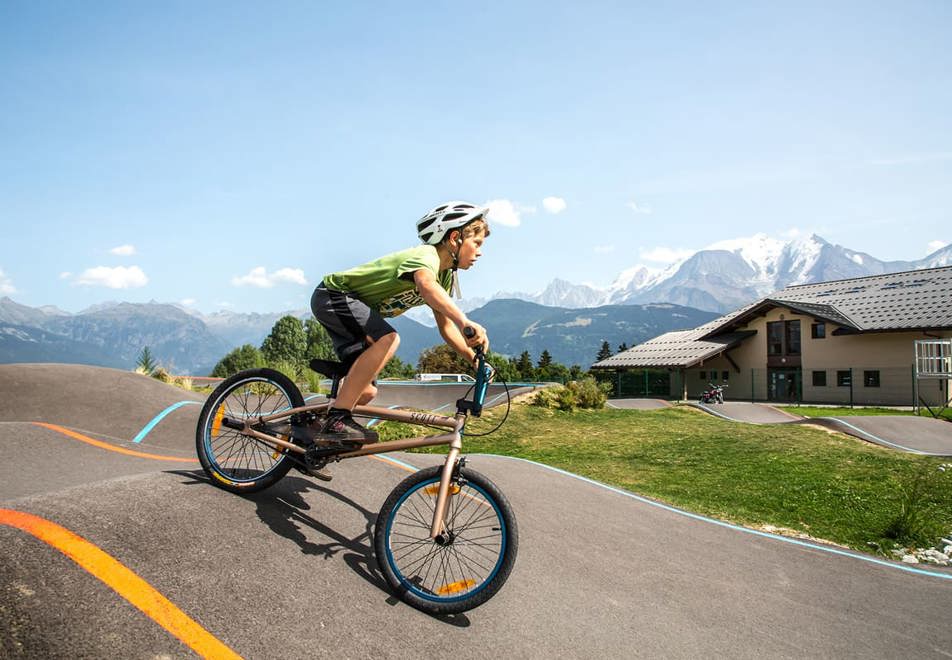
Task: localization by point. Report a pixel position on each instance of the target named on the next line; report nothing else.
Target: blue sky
(234, 153)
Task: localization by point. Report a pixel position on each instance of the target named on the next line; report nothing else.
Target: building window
(819, 379)
(871, 378)
(843, 378)
(818, 330)
(775, 338)
(725, 375)
(703, 375)
(792, 330)
(783, 338)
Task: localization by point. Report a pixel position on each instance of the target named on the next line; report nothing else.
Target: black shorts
(348, 321)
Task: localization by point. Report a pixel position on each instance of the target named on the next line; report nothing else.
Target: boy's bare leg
(360, 378)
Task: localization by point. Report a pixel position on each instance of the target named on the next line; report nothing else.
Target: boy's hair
(477, 227)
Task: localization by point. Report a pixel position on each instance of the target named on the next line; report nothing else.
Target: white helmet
(432, 227)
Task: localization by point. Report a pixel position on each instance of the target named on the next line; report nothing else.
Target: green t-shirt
(386, 284)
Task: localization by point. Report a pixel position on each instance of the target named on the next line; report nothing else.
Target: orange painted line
(106, 445)
(392, 462)
(121, 580)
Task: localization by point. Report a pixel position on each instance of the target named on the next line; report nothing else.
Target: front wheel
(469, 564)
(237, 462)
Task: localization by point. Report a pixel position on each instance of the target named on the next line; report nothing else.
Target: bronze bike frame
(454, 440)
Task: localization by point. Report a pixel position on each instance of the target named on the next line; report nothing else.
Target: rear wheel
(465, 567)
(237, 462)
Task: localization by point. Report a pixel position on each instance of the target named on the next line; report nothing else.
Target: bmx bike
(445, 539)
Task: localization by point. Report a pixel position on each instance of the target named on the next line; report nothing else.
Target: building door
(783, 384)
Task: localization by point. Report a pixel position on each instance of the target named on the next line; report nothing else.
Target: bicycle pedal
(319, 474)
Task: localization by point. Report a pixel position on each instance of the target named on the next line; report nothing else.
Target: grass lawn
(821, 411)
(823, 484)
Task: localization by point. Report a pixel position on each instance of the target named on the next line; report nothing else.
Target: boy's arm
(442, 305)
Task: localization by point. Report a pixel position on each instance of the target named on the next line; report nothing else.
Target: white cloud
(604, 249)
(638, 209)
(65, 275)
(935, 245)
(665, 255)
(124, 250)
(6, 284)
(188, 302)
(119, 277)
(791, 233)
(262, 279)
(504, 212)
(553, 204)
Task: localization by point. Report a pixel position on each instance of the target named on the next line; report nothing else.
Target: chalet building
(845, 342)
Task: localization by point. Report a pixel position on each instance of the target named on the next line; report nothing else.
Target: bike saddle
(332, 369)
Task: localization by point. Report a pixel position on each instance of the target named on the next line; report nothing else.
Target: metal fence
(848, 386)
(658, 383)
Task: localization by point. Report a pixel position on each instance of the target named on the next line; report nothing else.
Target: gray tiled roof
(911, 300)
(674, 349)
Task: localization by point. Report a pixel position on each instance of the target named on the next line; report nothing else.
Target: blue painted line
(737, 528)
(158, 418)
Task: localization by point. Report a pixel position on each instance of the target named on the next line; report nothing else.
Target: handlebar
(469, 332)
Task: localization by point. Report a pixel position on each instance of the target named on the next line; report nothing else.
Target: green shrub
(585, 393)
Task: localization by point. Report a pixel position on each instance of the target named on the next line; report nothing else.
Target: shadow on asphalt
(282, 508)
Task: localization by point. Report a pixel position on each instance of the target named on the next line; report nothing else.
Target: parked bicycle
(446, 537)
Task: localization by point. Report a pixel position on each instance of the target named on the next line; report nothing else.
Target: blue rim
(208, 448)
(430, 597)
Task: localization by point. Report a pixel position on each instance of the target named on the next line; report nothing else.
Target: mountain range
(569, 320)
(722, 277)
(114, 334)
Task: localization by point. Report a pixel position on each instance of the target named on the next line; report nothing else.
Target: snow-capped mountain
(729, 274)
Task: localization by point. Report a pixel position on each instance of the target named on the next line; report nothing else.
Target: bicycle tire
(468, 571)
(238, 463)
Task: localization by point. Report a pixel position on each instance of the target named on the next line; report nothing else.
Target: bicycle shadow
(283, 509)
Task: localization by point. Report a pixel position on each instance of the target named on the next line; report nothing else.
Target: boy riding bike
(352, 305)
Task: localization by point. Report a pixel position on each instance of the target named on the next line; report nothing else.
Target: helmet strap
(455, 288)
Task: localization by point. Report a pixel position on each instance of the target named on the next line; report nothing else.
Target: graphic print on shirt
(398, 304)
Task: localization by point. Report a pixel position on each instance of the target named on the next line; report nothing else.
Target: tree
(604, 353)
(146, 362)
(243, 357)
(622, 347)
(286, 343)
(319, 344)
(397, 368)
(442, 359)
(575, 373)
(505, 367)
(544, 360)
(524, 366)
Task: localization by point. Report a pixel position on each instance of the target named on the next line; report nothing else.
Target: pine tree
(545, 359)
(286, 343)
(604, 353)
(146, 362)
(622, 347)
(524, 366)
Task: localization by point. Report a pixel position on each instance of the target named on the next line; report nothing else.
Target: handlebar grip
(469, 332)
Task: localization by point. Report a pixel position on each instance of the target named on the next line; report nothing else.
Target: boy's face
(471, 250)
